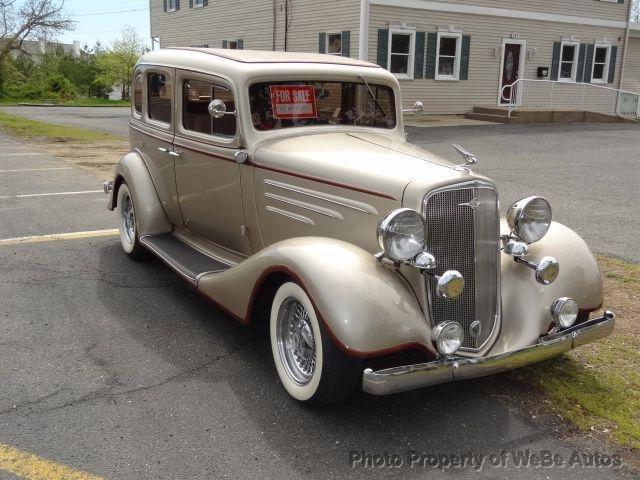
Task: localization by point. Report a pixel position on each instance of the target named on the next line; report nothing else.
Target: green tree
(115, 65)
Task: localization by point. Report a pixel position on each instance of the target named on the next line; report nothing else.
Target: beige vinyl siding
(487, 33)
(578, 8)
(252, 21)
(632, 70)
(249, 20)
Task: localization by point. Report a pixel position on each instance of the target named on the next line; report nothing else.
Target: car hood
(365, 161)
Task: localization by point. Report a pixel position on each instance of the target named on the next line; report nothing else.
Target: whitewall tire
(310, 367)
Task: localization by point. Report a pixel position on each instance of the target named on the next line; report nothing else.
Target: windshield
(276, 105)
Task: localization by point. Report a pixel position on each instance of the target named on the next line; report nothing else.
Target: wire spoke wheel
(128, 219)
(296, 341)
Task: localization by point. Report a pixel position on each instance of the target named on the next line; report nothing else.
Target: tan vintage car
(282, 187)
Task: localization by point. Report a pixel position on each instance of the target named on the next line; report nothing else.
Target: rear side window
(196, 96)
(160, 97)
(137, 94)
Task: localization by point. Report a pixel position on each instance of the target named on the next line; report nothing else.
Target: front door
(208, 179)
(510, 70)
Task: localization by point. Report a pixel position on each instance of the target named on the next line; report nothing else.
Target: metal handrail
(583, 93)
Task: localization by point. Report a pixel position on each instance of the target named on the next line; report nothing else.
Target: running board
(183, 258)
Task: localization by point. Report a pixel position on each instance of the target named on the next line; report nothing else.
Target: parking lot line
(34, 169)
(29, 195)
(59, 236)
(27, 465)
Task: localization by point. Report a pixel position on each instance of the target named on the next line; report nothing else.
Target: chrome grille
(463, 234)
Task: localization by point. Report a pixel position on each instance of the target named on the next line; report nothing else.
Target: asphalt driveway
(121, 370)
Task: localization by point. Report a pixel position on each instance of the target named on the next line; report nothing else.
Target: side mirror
(417, 107)
(217, 108)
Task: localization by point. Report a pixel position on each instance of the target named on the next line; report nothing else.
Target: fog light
(564, 312)
(450, 285)
(448, 337)
(547, 270)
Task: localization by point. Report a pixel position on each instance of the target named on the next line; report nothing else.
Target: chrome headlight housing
(564, 312)
(447, 337)
(530, 218)
(402, 234)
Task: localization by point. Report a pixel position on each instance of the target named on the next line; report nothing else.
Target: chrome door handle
(165, 150)
(173, 153)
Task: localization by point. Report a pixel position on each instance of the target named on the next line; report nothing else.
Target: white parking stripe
(59, 236)
(22, 154)
(34, 169)
(52, 194)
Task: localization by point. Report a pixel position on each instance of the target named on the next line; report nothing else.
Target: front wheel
(309, 365)
(128, 225)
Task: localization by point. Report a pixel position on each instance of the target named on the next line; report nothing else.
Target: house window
(601, 55)
(137, 94)
(568, 61)
(401, 52)
(448, 56)
(334, 44)
(160, 97)
(171, 5)
(198, 3)
(196, 96)
(230, 44)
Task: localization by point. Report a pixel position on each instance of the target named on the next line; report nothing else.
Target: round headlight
(547, 270)
(564, 312)
(401, 234)
(530, 218)
(448, 337)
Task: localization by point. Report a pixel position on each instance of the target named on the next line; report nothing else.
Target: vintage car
(281, 186)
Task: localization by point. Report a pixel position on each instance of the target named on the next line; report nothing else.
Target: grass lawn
(597, 386)
(25, 128)
(80, 102)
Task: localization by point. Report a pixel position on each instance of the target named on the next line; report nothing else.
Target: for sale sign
(293, 102)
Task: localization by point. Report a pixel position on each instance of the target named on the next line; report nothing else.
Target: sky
(105, 20)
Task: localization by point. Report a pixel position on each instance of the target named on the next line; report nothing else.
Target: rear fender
(368, 308)
(150, 216)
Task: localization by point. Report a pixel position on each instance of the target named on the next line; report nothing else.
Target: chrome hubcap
(296, 342)
(128, 219)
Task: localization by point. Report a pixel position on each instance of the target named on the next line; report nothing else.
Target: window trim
(170, 8)
(218, 140)
(412, 51)
(457, 59)
(326, 43)
(138, 115)
(574, 67)
(147, 118)
(605, 72)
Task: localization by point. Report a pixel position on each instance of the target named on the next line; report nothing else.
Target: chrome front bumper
(409, 377)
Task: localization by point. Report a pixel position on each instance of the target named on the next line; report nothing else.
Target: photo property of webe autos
(282, 187)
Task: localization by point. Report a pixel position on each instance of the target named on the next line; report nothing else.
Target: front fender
(526, 304)
(368, 308)
(150, 215)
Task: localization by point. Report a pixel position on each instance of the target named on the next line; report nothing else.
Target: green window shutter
(346, 40)
(418, 67)
(588, 64)
(225, 44)
(165, 5)
(612, 63)
(555, 63)
(383, 47)
(240, 44)
(581, 57)
(322, 43)
(205, 3)
(432, 48)
(465, 57)
(177, 5)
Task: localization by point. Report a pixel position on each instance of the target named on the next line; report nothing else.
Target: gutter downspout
(626, 46)
(363, 42)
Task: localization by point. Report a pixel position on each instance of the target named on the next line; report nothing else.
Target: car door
(152, 128)
(208, 178)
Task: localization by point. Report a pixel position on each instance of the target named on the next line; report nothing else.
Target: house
(36, 48)
(453, 55)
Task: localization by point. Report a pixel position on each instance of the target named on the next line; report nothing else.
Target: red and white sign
(293, 102)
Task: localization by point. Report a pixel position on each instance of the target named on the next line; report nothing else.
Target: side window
(160, 97)
(196, 96)
(137, 94)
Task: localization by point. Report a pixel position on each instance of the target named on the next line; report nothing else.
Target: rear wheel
(128, 225)
(309, 365)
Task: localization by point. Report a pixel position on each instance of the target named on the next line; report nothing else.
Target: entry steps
(183, 258)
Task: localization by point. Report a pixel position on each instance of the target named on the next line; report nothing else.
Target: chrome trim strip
(293, 216)
(409, 377)
(498, 321)
(343, 202)
(306, 206)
